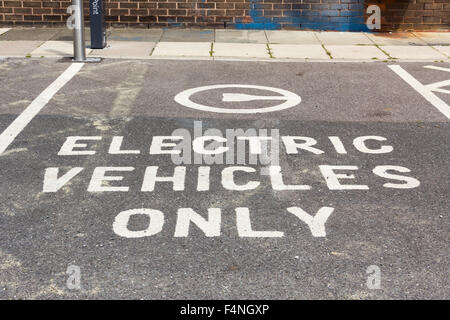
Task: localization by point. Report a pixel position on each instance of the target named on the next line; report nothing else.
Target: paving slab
(125, 49)
(188, 35)
(151, 35)
(434, 38)
(55, 49)
(298, 51)
(3, 30)
(343, 38)
(18, 48)
(241, 36)
(67, 35)
(356, 52)
(291, 37)
(395, 39)
(413, 53)
(444, 49)
(29, 34)
(182, 49)
(241, 50)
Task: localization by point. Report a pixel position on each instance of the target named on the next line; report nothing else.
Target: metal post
(79, 47)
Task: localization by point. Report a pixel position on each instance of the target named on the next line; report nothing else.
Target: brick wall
(343, 15)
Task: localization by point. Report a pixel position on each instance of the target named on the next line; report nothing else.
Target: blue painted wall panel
(339, 15)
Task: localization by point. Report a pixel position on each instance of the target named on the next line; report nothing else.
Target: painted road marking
(241, 97)
(4, 30)
(234, 177)
(14, 129)
(425, 90)
(438, 68)
(291, 99)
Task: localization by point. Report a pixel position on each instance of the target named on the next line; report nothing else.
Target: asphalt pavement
(117, 181)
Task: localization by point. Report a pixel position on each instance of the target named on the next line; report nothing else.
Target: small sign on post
(98, 27)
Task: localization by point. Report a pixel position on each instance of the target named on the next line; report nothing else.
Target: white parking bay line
(437, 68)
(4, 30)
(14, 129)
(425, 91)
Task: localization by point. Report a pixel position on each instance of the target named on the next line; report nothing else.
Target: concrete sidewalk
(209, 44)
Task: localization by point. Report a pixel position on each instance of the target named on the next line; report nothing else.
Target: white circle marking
(183, 98)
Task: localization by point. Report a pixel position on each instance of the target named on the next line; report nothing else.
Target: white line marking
(14, 129)
(423, 90)
(437, 86)
(242, 97)
(438, 68)
(4, 30)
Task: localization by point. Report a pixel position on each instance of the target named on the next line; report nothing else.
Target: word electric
(169, 177)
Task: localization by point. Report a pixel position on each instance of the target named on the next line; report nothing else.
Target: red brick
(130, 5)
(163, 5)
(422, 13)
(216, 12)
(147, 19)
(402, 14)
(64, 12)
(235, 12)
(431, 19)
(158, 12)
(225, 5)
(296, 6)
(111, 18)
(42, 10)
(47, 4)
(394, 19)
(128, 18)
(177, 12)
(52, 18)
(111, 5)
(434, 6)
(206, 5)
(32, 4)
(185, 5)
(429, 27)
(413, 20)
(241, 6)
(12, 4)
(284, 6)
(13, 17)
(32, 18)
(186, 19)
(118, 12)
(138, 12)
(167, 19)
(147, 5)
(224, 19)
(272, 13)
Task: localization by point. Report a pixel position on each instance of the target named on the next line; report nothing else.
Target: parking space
(221, 179)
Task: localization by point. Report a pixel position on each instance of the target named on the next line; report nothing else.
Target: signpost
(79, 46)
